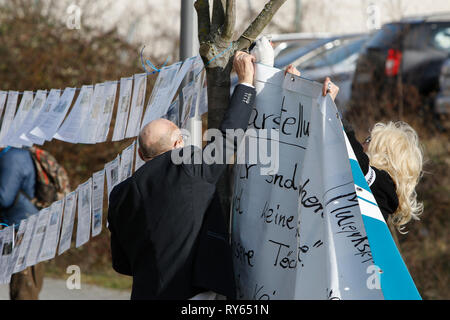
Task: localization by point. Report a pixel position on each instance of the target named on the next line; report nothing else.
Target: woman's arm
(358, 149)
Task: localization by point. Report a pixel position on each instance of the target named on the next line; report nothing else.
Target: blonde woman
(391, 159)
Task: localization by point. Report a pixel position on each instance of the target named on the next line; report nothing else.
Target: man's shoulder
(170, 160)
(119, 191)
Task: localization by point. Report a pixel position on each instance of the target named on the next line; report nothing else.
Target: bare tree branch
(260, 22)
(230, 20)
(218, 16)
(202, 7)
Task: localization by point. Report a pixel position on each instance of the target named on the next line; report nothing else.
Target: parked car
(337, 62)
(297, 52)
(333, 56)
(405, 54)
(442, 103)
(285, 40)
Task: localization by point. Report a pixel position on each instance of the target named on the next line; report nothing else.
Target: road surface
(56, 289)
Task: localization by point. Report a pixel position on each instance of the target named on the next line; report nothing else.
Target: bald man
(168, 230)
(158, 137)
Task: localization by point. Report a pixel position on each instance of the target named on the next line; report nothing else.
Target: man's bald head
(157, 137)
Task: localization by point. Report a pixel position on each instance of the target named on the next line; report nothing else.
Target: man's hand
(244, 67)
(331, 88)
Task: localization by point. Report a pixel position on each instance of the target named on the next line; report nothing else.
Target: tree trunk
(218, 82)
(217, 50)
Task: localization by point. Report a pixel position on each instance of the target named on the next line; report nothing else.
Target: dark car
(337, 62)
(400, 58)
(442, 104)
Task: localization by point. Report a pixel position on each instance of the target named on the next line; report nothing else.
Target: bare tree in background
(217, 47)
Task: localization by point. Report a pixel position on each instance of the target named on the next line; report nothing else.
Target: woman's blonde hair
(394, 147)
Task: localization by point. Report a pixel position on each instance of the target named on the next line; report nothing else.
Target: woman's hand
(331, 88)
(328, 86)
(291, 69)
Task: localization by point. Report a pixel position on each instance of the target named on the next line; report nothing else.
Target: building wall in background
(156, 23)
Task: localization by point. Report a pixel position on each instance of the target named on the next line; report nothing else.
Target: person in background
(167, 227)
(17, 187)
(391, 159)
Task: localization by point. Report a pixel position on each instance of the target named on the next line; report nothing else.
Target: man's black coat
(167, 227)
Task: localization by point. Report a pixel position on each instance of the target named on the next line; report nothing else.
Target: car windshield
(333, 56)
(296, 50)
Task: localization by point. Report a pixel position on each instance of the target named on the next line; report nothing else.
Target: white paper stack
(27, 125)
(70, 210)
(84, 213)
(70, 129)
(8, 118)
(137, 105)
(123, 109)
(104, 119)
(98, 184)
(22, 112)
(51, 102)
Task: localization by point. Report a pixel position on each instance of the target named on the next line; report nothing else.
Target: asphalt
(55, 289)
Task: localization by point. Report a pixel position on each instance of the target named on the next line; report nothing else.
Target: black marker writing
(276, 218)
(237, 202)
(310, 201)
(243, 255)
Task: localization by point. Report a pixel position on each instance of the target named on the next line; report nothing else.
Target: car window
(415, 38)
(441, 37)
(387, 37)
(289, 49)
(333, 56)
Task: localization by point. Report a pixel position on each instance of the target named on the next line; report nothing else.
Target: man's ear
(140, 154)
(179, 143)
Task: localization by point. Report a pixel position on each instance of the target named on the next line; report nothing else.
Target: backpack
(52, 181)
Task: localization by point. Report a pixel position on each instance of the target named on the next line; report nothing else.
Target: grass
(425, 248)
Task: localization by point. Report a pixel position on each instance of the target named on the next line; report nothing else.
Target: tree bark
(217, 49)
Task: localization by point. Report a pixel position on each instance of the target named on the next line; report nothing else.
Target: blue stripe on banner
(396, 282)
(358, 176)
(367, 201)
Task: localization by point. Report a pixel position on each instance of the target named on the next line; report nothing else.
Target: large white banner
(298, 232)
